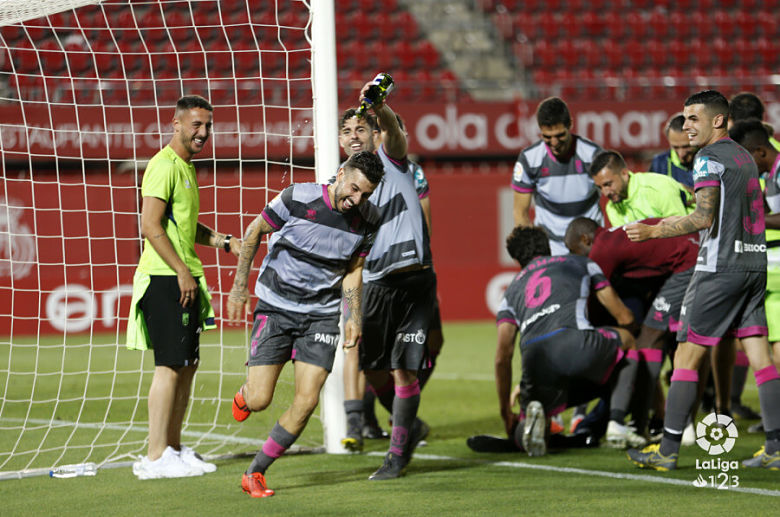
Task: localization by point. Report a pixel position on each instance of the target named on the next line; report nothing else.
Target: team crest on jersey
(311, 214)
(517, 175)
(578, 166)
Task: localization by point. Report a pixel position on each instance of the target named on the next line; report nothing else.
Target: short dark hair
(750, 134)
(526, 243)
(577, 228)
(713, 100)
(352, 112)
(369, 164)
(189, 102)
(553, 111)
(745, 105)
(609, 158)
(675, 123)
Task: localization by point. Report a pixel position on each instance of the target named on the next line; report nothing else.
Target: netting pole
(326, 160)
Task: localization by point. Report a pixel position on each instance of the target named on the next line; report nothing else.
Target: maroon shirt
(617, 255)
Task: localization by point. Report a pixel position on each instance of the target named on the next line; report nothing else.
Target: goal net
(87, 93)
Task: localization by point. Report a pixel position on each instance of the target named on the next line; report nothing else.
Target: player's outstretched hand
(352, 334)
(638, 232)
(237, 305)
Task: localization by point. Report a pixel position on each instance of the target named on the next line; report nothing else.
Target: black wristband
(226, 244)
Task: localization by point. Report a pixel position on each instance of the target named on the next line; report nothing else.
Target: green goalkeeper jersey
(173, 180)
(649, 195)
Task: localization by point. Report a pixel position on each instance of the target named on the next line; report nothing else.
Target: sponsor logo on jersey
(746, 247)
(544, 312)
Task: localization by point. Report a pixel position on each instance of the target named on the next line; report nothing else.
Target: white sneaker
(169, 465)
(193, 459)
(688, 436)
(621, 436)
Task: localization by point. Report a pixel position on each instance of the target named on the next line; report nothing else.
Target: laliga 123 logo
(716, 434)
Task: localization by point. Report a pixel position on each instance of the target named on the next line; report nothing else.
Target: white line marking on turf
(119, 427)
(444, 376)
(600, 473)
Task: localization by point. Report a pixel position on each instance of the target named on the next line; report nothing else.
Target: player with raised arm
(565, 360)
(726, 292)
(170, 304)
(399, 289)
(553, 173)
(321, 236)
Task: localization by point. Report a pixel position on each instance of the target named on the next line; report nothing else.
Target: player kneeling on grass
(566, 361)
(316, 255)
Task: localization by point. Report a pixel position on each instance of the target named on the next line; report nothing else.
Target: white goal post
(87, 90)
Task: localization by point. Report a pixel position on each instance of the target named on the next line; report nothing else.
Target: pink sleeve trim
(523, 190)
(269, 221)
(711, 183)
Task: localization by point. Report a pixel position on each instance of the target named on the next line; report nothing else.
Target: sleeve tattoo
(707, 205)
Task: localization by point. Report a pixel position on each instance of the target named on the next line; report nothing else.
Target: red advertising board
(462, 129)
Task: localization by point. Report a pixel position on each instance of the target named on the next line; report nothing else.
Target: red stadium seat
(657, 53)
(613, 53)
(724, 51)
(569, 52)
(429, 54)
(545, 54)
(636, 24)
(635, 53)
(614, 26)
(52, 57)
(590, 52)
(724, 24)
(407, 25)
(659, 24)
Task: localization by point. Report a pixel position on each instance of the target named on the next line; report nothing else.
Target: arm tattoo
(246, 256)
(352, 297)
(707, 205)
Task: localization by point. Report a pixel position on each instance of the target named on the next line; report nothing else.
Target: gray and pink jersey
(735, 241)
(562, 191)
(310, 250)
(402, 238)
(551, 293)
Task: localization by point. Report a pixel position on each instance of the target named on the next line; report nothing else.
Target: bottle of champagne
(380, 88)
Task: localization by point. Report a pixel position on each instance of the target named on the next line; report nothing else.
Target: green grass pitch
(444, 478)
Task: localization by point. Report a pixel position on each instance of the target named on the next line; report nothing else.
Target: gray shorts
(557, 361)
(278, 336)
(723, 304)
(664, 314)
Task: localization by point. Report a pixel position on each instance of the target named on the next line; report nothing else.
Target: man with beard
(321, 236)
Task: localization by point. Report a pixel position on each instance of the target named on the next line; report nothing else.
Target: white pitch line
(118, 427)
(600, 473)
(444, 376)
